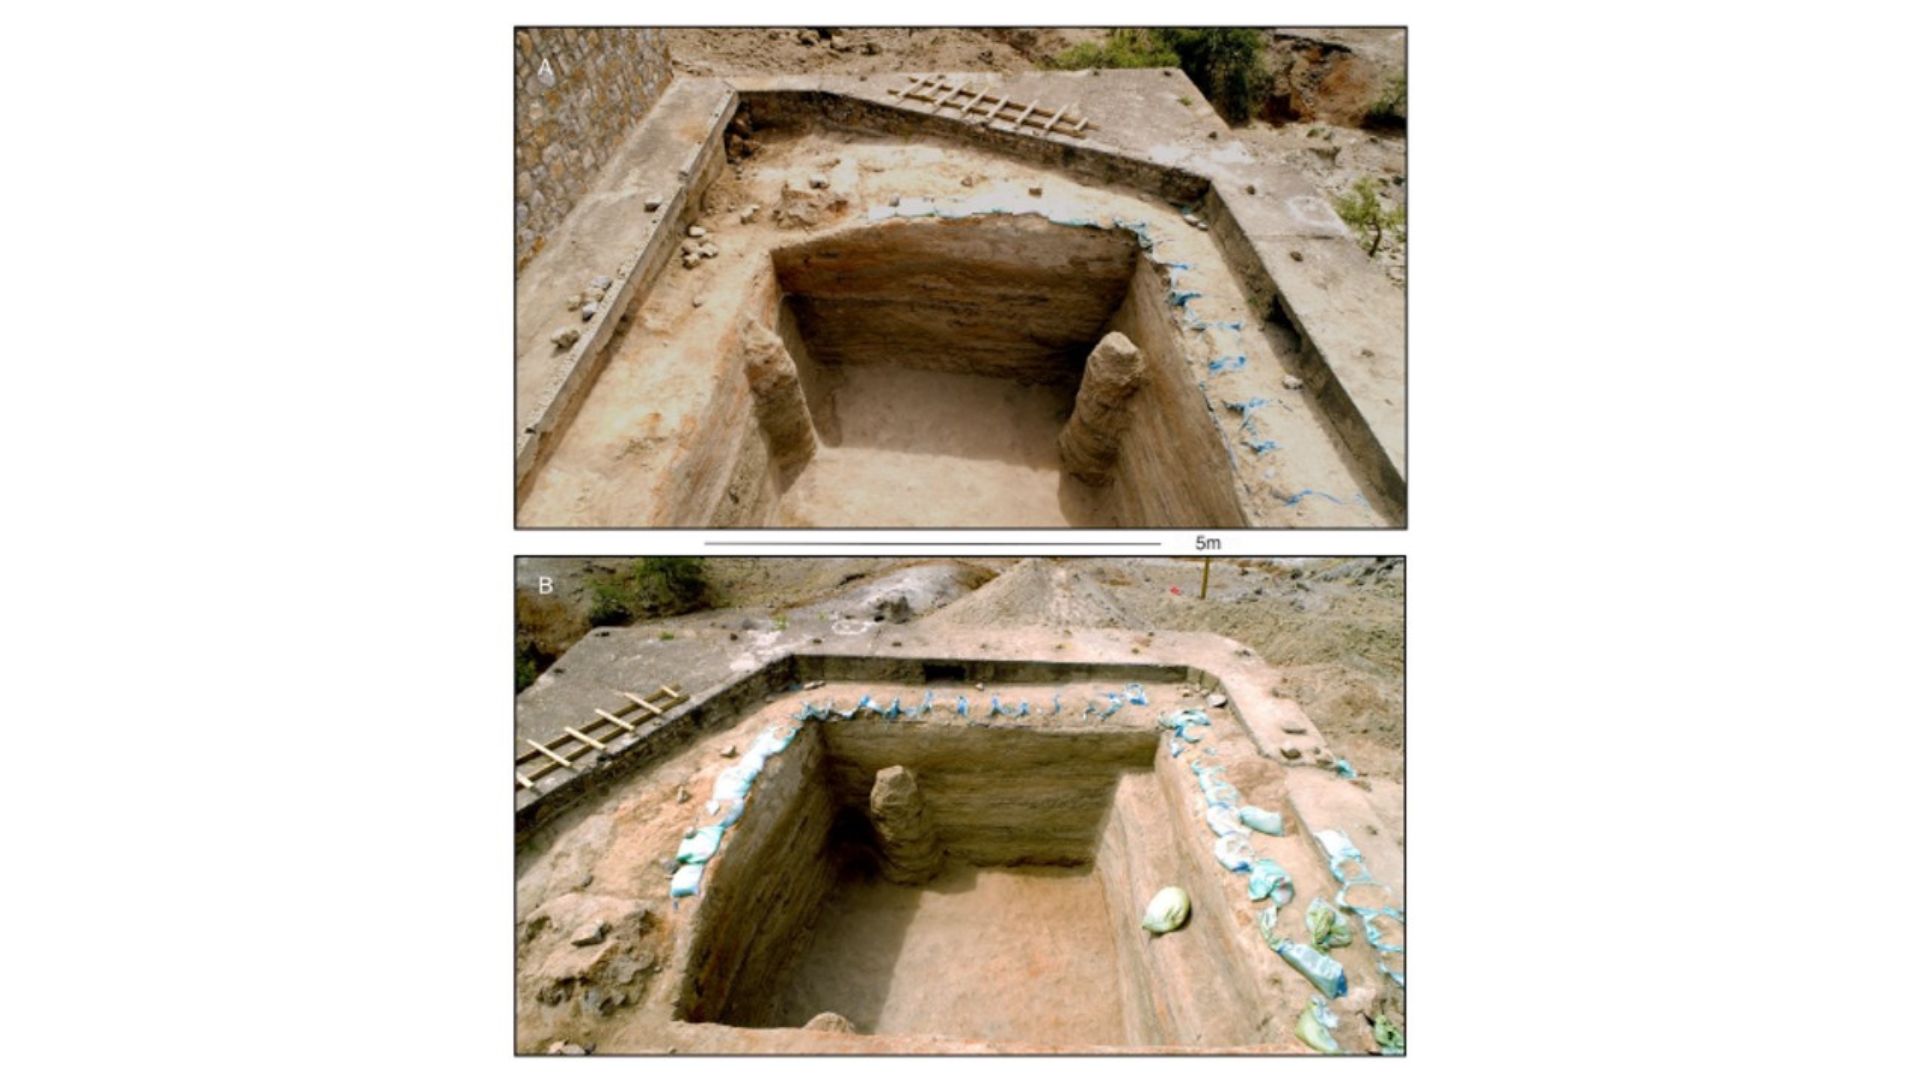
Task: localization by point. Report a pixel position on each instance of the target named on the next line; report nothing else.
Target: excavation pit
(934, 294)
(941, 879)
(1022, 897)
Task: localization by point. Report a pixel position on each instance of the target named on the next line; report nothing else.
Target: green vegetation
(1360, 208)
(1126, 48)
(666, 635)
(1225, 63)
(1389, 110)
(654, 586)
(526, 665)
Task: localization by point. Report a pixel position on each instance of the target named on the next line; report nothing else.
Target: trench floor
(932, 448)
(1018, 954)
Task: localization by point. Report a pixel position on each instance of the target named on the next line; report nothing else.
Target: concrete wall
(567, 121)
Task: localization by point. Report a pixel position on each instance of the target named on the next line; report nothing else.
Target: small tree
(1360, 208)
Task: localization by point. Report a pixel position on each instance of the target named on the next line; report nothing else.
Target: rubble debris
(565, 337)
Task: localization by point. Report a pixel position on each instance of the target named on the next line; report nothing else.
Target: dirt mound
(1040, 592)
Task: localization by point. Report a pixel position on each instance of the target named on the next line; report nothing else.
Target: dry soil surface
(1323, 82)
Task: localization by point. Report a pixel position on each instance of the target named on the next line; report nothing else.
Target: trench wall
(760, 894)
(1173, 468)
(598, 82)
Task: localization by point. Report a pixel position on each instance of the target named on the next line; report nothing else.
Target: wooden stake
(1206, 571)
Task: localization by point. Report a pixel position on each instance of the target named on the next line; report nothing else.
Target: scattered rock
(895, 201)
(827, 1021)
(730, 751)
(870, 49)
(652, 205)
(751, 212)
(1292, 727)
(1213, 134)
(1289, 751)
(1296, 256)
(697, 301)
(817, 181)
(681, 794)
(966, 181)
(1036, 190)
(708, 251)
(602, 283)
(807, 37)
(980, 686)
(591, 932)
(814, 685)
(1251, 190)
(690, 261)
(1291, 382)
(696, 231)
(574, 302)
(1216, 701)
(588, 311)
(563, 339)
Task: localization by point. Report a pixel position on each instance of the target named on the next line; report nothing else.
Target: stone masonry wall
(576, 94)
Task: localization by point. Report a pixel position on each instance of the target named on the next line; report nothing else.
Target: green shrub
(1389, 110)
(654, 586)
(1226, 63)
(1360, 208)
(1125, 48)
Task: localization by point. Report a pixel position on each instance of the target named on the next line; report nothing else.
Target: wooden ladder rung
(615, 721)
(564, 763)
(586, 738)
(643, 703)
(524, 782)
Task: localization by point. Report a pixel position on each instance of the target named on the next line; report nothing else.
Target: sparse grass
(1186, 101)
(1360, 208)
(666, 635)
(780, 621)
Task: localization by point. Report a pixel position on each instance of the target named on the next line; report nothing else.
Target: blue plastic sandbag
(1136, 694)
(686, 880)
(1224, 822)
(699, 845)
(1321, 970)
(1234, 852)
(1269, 880)
(1266, 821)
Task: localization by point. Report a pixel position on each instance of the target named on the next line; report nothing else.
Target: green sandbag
(1326, 927)
(1315, 1026)
(1167, 911)
(1387, 1034)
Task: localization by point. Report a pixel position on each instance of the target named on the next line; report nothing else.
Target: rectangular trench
(1030, 933)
